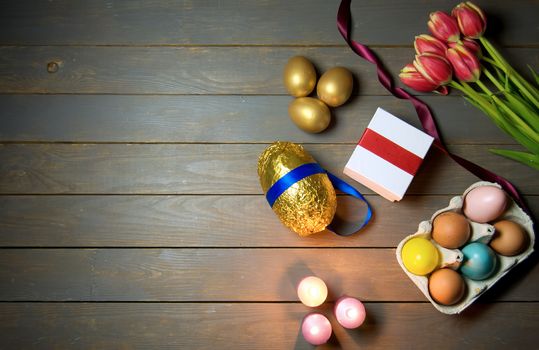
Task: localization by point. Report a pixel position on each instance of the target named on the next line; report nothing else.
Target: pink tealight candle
(316, 329)
(350, 312)
(312, 291)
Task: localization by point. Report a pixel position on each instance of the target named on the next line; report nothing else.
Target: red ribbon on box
(390, 151)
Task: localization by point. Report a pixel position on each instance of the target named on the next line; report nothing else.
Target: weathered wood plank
(107, 118)
(193, 221)
(242, 22)
(219, 275)
(207, 168)
(189, 70)
(260, 326)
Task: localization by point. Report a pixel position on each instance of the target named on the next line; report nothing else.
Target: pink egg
(484, 203)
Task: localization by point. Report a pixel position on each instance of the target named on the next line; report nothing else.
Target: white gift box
(388, 155)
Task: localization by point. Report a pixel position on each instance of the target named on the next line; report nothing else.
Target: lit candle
(316, 329)
(312, 291)
(350, 312)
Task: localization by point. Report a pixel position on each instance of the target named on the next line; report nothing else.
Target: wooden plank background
(130, 210)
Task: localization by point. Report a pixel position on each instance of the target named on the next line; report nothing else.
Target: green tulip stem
(526, 88)
(490, 109)
(477, 98)
(531, 134)
(493, 79)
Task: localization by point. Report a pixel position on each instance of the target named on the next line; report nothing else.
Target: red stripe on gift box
(390, 151)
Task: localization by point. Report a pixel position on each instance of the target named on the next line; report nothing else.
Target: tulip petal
(425, 43)
(471, 20)
(443, 26)
(412, 78)
(434, 68)
(465, 64)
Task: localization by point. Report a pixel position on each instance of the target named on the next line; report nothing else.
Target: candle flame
(351, 313)
(314, 292)
(315, 330)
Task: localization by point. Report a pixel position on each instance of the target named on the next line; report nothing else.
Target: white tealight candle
(312, 291)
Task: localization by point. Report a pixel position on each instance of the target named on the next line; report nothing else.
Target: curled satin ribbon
(309, 169)
(423, 112)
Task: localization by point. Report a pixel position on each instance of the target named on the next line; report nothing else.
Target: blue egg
(479, 261)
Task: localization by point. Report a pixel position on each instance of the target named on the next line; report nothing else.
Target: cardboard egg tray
(452, 258)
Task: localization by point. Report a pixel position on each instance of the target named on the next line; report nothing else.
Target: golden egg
(335, 86)
(309, 205)
(299, 76)
(309, 114)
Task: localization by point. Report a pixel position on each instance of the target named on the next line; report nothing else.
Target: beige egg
(335, 86)
(299, 76)
(510, 239)
(309, 114)
(451, 230)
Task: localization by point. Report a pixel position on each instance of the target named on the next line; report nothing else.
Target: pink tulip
(412, 78)
(465, 64)
(425, 43)
(471, 45)
(434, 68)
(471, 20)
(443, 26)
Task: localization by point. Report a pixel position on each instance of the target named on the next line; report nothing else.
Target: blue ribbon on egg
(305, 170)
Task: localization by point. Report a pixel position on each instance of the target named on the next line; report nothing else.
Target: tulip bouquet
(453, 56)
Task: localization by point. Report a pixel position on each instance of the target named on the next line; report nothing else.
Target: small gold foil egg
(306, 207)
(299, 76)
(335, 86)
(309, 114)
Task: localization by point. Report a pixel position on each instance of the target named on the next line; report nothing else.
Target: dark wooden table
(130, 210)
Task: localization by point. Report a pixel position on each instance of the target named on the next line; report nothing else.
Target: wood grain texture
(208, 168)
(191, 70)
(218, 119)
(130, 210)
(221, 275)
(195, 221)
(259, 326)
(230, 22)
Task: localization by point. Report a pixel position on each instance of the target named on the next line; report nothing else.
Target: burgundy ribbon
(423, 112)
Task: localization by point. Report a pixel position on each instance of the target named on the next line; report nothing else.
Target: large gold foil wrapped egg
(335, 86)
(306, 207)
(299, 76)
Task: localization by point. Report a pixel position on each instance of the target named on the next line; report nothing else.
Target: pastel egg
(479, 261)
(450, 230)
(484, 203)
(420, 256)
(446, 286)
(510, 239)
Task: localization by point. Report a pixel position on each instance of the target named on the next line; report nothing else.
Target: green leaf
(525, 111)
(529, 159)
(535, 75)
(504, 122)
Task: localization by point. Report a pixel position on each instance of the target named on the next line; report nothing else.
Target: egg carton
(452, 258)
